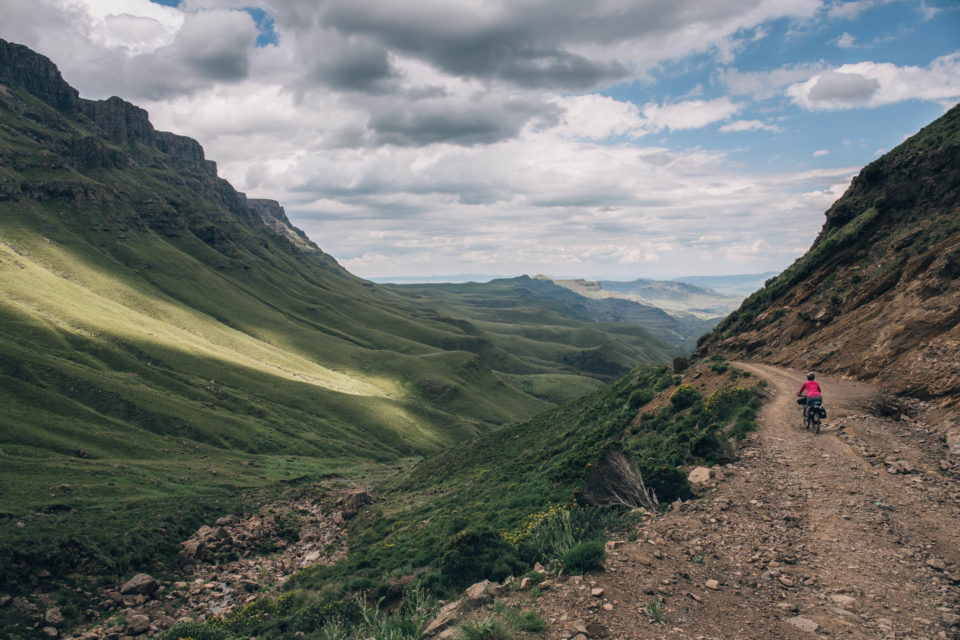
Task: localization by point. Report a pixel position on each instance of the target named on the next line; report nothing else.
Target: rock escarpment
(877, 296)
(123, 135)
(120, 122)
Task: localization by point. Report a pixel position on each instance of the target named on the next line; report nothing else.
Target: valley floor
(852, 533)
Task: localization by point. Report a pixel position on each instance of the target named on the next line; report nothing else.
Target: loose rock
(141, 583)
(804, 624)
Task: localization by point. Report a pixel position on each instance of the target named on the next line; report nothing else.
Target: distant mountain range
(736, 285)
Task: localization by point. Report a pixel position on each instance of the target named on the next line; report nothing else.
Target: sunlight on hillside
(67, 294)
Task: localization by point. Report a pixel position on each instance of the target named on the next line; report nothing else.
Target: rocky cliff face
(20, 66)
(121, 123)
(124, 135)
(878, 294)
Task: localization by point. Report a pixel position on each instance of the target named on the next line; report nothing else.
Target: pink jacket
(811, 387)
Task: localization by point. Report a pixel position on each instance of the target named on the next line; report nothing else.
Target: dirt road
(851, 533)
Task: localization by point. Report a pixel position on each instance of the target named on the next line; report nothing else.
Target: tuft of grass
(654, 610)
(504, 623)
(584, 557)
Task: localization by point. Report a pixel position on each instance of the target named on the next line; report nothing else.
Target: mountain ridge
(877, 295)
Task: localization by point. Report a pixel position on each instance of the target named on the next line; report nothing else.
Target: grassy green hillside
(163, 348)
(544, 327)
(524, 493)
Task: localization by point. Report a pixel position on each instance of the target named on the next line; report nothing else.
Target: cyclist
(808, 391)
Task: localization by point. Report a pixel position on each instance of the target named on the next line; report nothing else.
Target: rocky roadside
(237, 560)
(852, 533)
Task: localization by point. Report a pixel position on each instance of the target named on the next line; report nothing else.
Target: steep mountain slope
(877, 296)
(149, 310)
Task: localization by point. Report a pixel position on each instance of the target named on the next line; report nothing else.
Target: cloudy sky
(614, 138)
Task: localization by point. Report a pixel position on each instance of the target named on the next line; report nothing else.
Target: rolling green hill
(546, 327)
(163, 338)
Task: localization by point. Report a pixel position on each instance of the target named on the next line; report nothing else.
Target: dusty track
(851, 533)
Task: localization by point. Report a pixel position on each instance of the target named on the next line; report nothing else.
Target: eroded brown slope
(877, 297)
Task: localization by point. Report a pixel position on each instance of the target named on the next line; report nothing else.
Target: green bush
(723, 403)
(328, 609)
(477, 554)
(668, 482)
(684, 396)
(531, 622)
(196, 631)
(489, 628)
(640, 397)
(554, 536)
(586, 556)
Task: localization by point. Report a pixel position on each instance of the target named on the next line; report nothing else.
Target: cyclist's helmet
(810, 376)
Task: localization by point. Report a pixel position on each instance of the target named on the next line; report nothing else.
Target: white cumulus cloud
(750, 125)
(871, 84)
(690, 114)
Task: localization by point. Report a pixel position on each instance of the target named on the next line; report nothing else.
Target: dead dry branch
(613, 482)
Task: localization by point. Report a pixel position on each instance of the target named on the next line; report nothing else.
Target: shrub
(668, 482)
(328, 609)
(554, 536)
(684, 396)
(489, 628)
(477, 554)
(531, 622)
(586, 556)
(195, 631)
(639, 398)
(723, 403)
(654, 610)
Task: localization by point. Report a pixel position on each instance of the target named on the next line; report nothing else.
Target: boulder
(699, 479)
(165, 622)
(804, 624)
(842, 600)
(142, 584)
(953, 442)
(479, 594)
(137, 623)
(446, 617)
(194, 549)
(356, 500)
(53, 617)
